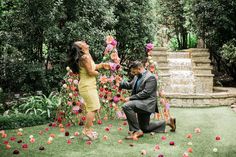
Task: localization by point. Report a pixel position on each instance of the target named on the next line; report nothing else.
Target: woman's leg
(89, 119)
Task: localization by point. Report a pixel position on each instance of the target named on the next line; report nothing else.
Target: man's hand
(127, 99)
(118, 80)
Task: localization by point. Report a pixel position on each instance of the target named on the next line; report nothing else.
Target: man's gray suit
(143, 102)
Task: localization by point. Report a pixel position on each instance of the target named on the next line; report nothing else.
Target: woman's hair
(74, 55)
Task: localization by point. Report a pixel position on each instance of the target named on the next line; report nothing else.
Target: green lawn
(211, 121)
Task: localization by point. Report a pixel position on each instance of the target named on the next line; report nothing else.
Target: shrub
(21, 120)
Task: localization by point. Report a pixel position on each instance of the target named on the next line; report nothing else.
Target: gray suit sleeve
(126, 85)
(150, 85)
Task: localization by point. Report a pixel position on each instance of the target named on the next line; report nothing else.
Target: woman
(80, 61)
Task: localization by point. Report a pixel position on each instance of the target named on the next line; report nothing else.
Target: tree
(172, 16)
(214, 22)
(134, 28)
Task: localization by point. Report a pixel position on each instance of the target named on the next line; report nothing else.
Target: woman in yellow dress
(80, 61)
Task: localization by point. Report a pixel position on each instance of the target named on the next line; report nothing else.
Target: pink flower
(114, 42)
(70, 80)
(189, 135)
(76, 133)
(105, 137)
(109, 47)
(190, 150)
(163, 138)
(24, 146)
(113, 66)
(6, 142)
(120, 128)
(103, 79)
(149, 47)
(157, 147)
(109, 39)
(107, 129)
(124, 123)
(68, 141)
(185, 155)
(69, 103)
(32, 140)
(218, 138)
(172, 143)
(99, 121)
(143, 152)
(12, 138)
(116, 99)
(120, 141)
(46, 129)
(88, 142)
(197, 130)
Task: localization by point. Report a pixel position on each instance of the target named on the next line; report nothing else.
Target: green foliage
(37, 105)
(172, 16)
(229, 52)
(214, 22)
(134, 28)
(21, 120)
(38, 32)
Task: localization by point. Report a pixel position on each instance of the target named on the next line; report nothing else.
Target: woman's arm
(103, 65)
(87, 64)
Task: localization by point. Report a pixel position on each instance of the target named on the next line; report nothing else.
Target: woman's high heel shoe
(91, 135)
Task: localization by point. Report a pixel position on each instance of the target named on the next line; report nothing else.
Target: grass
(211, 121)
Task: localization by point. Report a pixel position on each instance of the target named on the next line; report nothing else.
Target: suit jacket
(145, 95)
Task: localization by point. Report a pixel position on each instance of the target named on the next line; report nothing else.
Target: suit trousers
(139, 119)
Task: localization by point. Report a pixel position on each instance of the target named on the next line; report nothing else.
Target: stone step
(181, 88)
(179, 55)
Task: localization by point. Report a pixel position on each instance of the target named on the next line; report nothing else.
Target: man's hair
(136, 64)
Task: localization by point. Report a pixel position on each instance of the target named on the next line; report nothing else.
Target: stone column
(160, 55)
(202, 70)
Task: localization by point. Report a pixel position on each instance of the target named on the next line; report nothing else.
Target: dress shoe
(172, 124)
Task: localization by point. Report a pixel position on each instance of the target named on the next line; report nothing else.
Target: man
(142, 103)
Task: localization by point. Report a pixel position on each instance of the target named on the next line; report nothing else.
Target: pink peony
(149, 47)
(114, 42)
(116, 99)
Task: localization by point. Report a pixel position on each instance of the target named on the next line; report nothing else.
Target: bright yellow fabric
(88, 90)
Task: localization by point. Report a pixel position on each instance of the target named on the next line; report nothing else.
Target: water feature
(188, 80)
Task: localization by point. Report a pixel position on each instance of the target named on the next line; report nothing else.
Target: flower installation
(111, 97)
(71, 108)
(152, 66)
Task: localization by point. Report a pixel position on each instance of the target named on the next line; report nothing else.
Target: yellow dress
(88, 90)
